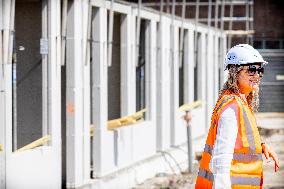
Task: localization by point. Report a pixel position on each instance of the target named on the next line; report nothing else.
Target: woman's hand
(268, 152)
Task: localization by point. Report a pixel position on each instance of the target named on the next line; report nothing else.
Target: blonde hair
(231, 86)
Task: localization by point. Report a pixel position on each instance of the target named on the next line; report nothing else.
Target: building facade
(91, 91)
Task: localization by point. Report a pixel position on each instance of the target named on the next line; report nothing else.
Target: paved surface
(271, 127)
(272, 130)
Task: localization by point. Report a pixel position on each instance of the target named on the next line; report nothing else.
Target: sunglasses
(252, 70)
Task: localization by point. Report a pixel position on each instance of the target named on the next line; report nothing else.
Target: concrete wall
(39, 167)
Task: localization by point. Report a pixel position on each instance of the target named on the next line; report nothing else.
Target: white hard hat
(243, 54)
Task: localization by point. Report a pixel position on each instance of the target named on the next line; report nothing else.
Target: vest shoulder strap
(225, 100)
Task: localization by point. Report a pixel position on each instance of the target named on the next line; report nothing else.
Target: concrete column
(174, 85)
(6, 118)
(6, 42)
(124, 136)
(210, 77)
(223, 55)
(86, 89)
(2, 127)
(163, 86)
(103, 142)
(128, 70)
(54, 80)
(216, 67)
(202, 80)
(202, 61)
(189, 66)
(151, 89)
(74, 97)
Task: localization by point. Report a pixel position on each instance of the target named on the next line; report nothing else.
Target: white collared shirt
(223, 149)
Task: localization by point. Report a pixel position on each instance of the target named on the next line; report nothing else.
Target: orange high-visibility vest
(246, 166)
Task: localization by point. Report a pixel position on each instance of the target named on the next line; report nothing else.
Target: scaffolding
(235, 16)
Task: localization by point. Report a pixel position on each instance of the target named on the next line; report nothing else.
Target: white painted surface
(170, 161)
(33, 169)
(103, 143)
(163, 86)
(41, 167)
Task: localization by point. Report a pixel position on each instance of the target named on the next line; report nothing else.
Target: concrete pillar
(163, 85)
(189, 66)
(174, 85)
(151, 87)
(54, 81)
(6, 118)
(216, 66)
(76, 137)
(6, 42)
(128, 95)
(103, 142)
(210, 77)
(202, 80)
(223, 51)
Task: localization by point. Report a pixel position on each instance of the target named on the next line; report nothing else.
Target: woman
(232, 156)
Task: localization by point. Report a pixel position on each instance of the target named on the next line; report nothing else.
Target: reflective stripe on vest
(208, 149)
(235, 180)
(247, 157)
(205, 174)
(238, 156)
(249, 134)
(225, 100)
(253, 181)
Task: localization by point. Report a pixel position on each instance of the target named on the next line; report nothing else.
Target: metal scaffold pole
(216, 13)
(251, 21)
(222, 14)
(189, 141)
(44, 61)
(138, 26)
(14, 101)
(247, 20)
(12, 58)
(231, 23)
(209, 14)
(161, 7)
(168, 6)
(195, 33)
(63, 31)
(181, 51)
(173, 31)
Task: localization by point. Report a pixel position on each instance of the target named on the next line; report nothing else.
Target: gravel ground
(272, 132)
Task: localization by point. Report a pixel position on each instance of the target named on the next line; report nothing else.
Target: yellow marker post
(1, 148)
(36, 143)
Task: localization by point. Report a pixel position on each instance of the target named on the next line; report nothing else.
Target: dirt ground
(271, 127)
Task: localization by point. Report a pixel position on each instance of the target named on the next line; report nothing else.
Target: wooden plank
(239, 32)
(37, 143)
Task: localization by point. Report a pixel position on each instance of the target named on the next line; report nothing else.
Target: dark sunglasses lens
(261, 71)
(251, 70)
